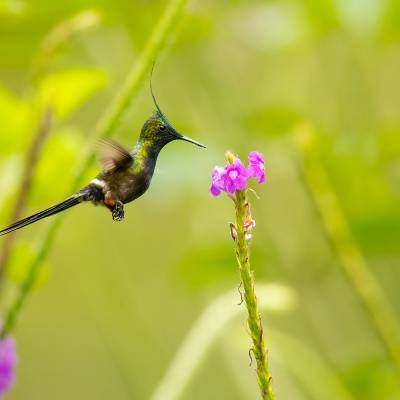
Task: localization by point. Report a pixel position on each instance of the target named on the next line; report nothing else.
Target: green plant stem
(372, 296)
(106, 127)
(26, 182)
(254, 317)
(52, 41)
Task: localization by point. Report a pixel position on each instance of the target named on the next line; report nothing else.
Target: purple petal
(217, 181)
(236, 176)
(256, 166)
(8, 360)
(214, 190)
(255, 156)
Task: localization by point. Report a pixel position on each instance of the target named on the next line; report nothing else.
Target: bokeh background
(114, 302)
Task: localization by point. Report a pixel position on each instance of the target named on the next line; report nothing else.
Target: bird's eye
(162, 127)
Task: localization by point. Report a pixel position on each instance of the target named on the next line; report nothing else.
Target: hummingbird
(125, 175)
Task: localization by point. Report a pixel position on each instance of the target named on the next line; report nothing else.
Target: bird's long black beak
(187, 139)
(164, 118)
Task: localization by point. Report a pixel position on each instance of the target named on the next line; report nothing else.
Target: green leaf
(67, 90)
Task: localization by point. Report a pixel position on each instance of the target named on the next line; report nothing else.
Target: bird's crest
(158, 111)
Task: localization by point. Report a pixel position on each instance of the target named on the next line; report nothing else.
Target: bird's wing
(112, 155)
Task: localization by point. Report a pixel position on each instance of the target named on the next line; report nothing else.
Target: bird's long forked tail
(63, 205)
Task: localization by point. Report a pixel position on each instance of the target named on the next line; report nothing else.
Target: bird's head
(159, 131)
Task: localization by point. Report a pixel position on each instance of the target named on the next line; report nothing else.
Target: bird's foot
(118, 212)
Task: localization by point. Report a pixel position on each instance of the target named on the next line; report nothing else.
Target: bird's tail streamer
(63, 205)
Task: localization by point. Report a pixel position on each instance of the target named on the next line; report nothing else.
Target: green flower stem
(161, 33)
(254, 317)
(380, 311)
(211, 328)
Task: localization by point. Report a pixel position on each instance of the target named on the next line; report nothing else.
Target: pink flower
(256, 166)
(8, 360)
(236, 176)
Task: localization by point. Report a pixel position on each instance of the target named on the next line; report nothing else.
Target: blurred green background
(114, 302)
